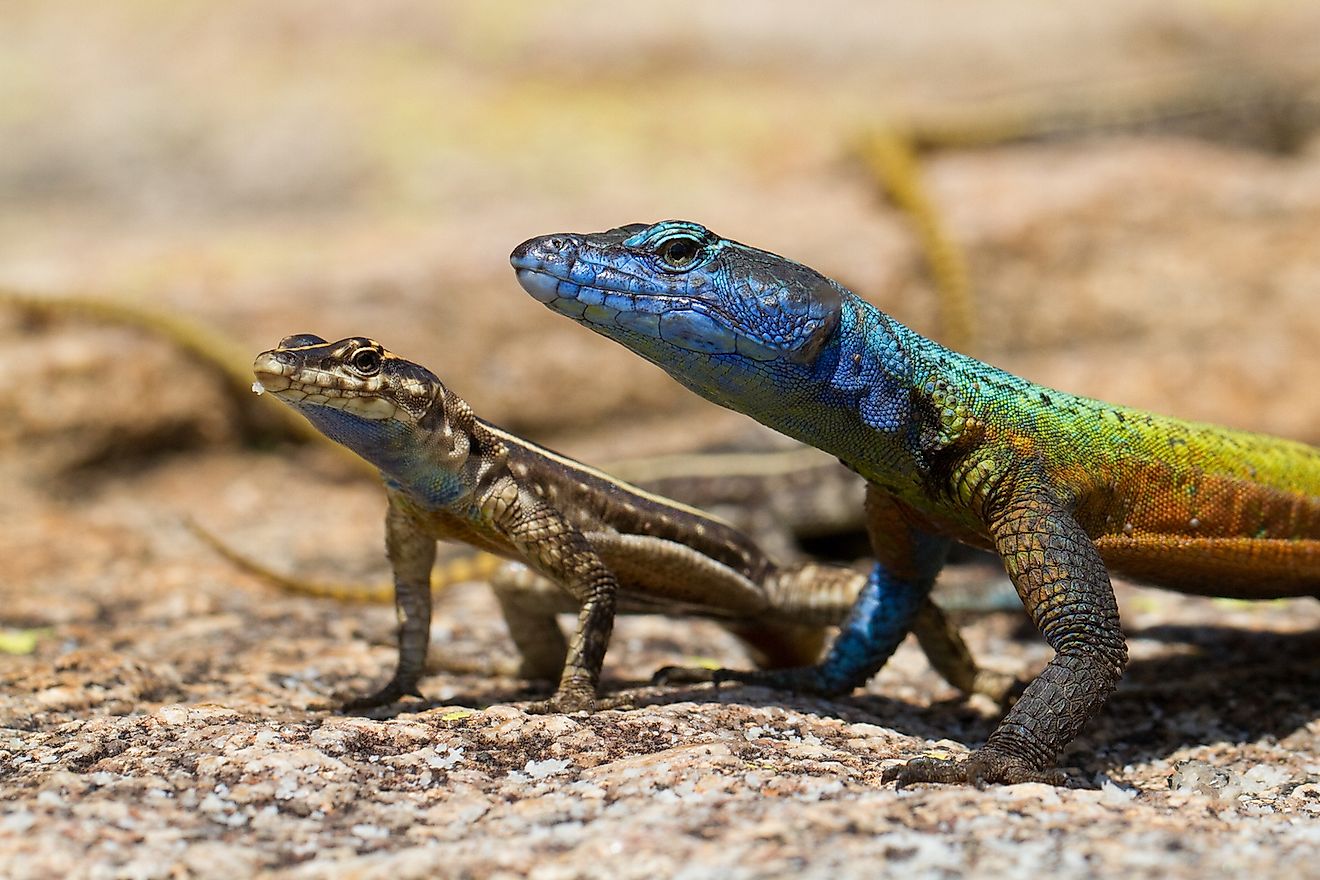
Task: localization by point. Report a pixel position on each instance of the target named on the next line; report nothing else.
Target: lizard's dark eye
(367, 361)
(679, 253)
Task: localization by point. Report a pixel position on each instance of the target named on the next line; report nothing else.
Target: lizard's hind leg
(529, 603)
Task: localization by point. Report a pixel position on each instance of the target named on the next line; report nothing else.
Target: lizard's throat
(428, 466)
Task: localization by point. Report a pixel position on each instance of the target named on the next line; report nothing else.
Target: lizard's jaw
(544, 287)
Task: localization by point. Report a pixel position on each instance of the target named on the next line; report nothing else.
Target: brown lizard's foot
(577, 695)
(391, 693)
(983, 768)
(559, 705)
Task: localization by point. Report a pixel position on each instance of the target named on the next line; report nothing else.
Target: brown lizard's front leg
(1063, 583)
(554, 547)
(412, 554)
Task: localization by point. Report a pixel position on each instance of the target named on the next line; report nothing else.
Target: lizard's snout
(542, 252)
(542, 263)
(281, 358)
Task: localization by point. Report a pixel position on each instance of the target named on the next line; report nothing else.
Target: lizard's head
(742, 327)
(682, 296)
(353, 390)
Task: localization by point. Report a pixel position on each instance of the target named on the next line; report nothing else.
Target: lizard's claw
(982, 768)
(392, 692)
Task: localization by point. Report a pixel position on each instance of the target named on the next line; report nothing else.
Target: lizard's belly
(447, 526)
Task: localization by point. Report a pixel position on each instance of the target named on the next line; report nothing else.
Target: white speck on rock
(369, 832)
(1201, 778)
(18, 822)
(173, 715)
(1113, 793)
(548, 767)
(1264, 777)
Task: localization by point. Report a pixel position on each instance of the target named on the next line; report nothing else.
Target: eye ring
(366, 361)
(680, 252)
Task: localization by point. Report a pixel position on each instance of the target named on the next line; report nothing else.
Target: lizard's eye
(680, 252)
(367, 362)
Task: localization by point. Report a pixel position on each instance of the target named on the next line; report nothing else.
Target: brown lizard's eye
(680, 252)
(367, 361)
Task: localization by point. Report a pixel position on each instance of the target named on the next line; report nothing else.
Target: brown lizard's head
(392, 412)
(357, 376)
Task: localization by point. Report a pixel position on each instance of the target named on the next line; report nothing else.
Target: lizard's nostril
(535, 253)
(526, 254)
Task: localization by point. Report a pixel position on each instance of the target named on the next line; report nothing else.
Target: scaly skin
(1063, 488)
(589, 543)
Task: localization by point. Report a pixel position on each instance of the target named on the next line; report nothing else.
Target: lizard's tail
(468, 567)
(814, 593)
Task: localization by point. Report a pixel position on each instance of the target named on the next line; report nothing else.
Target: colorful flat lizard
(1063, 488)
(594, 541)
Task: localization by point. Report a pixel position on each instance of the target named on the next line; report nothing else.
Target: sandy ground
(365, 169)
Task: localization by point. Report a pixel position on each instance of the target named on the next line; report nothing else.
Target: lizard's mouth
(300, 386)
(683, 321)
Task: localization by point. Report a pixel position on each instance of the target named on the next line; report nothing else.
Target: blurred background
(365, 168)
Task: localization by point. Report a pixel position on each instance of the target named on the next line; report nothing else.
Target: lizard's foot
(392, 692)
(982, 768)
(569, 700)
(557, 706)
(798, 679)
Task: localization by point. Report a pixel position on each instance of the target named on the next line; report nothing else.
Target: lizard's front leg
(909, 555)
(411, 553)
(1063, 583)
(553, 546)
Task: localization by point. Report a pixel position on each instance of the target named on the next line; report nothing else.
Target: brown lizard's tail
(467, 567)
(813, 592)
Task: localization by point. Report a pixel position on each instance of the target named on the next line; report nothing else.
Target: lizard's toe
(567, 700)
(559, 706)
(981, 769)
(925, 769)
(390, 693)
(620, 702)
(684, 675)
